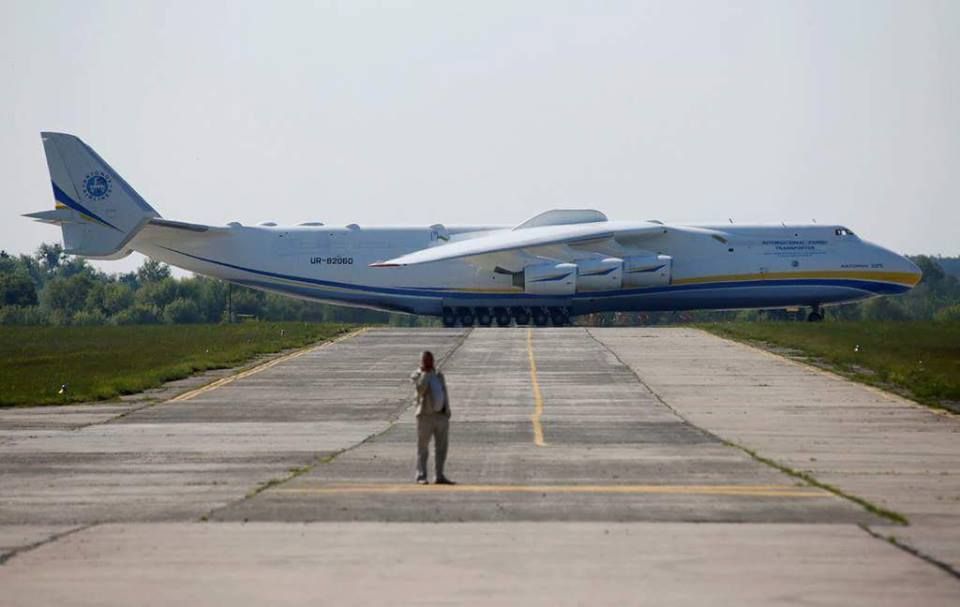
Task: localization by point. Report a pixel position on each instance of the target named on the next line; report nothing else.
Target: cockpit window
(843, 232)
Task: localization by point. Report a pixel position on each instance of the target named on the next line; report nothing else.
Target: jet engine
(550, 278)
(647, 271)
(599, 274)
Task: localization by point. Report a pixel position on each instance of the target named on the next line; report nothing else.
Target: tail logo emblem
(97, 185)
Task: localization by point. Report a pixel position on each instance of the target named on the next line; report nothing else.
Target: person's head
(426, 360)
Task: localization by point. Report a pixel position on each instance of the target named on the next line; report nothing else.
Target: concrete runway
(595, 466)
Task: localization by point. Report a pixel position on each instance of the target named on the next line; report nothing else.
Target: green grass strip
(917, 359)
(100, 363)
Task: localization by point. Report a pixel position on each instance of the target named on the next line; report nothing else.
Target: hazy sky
(489, 112)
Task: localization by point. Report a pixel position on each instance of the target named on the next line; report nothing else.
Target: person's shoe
(422, 480)
(442, 480)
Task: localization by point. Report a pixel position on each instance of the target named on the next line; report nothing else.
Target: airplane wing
(533, 240)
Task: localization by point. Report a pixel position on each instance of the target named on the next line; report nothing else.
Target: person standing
(433, 417)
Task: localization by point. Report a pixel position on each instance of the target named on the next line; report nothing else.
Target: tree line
(51, 288)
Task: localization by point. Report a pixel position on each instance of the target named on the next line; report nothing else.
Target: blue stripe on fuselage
(879, 288)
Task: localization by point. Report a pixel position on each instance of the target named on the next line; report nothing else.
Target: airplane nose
(904, 271)
(901, 265)
(912, 268)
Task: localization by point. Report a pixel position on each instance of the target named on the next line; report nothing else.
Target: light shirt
(436, 391)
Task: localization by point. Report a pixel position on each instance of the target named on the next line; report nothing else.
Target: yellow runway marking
(537, 396)
(404, 488)
(223, 381)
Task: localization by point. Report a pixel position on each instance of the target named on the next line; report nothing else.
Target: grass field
(918, 358)
(104, 362)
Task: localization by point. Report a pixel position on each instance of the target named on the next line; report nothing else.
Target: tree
(949, 314)
(153, 271)
(137, 314)
(71, 266)
(16, 289)
(67, 295)
(50, 255)
(31, 265)
(248, 301)
(16, 286)
(158, 293)
(89, 318)
(130, 279)
(933, 274)
(109, 298)
(182, 311)
(23, 315)
(211, 296)
(883, 308)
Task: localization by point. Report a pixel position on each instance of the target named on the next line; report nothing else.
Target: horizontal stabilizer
(57, 216)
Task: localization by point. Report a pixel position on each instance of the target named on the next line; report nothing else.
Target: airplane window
(843, 232)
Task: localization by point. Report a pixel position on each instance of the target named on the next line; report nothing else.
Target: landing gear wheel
(466, 317)
(816, 314)
(539, 317)
(483, 317)
(449, 317)
(521, 316)
(558, 316)
(502, 317)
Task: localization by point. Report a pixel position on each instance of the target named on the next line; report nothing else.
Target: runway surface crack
(5, 558)
(330, 457)
(894, 517)
(893, 541)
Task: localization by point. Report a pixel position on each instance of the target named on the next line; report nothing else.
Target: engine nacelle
(647, 271)
(599, 274)
(550, 279)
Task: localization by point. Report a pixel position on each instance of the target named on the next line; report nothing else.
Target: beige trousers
(436, 426)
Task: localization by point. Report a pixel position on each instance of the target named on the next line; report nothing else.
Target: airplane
(553, 266)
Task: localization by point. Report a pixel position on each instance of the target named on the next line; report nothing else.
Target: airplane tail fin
(97, 210)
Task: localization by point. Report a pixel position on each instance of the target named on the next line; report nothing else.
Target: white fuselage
(564, 261)
(713, 267)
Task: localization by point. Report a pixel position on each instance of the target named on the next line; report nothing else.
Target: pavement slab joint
(330, 457)
(17, 551)
(635, 477)
(893, 541)
(894, 517)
